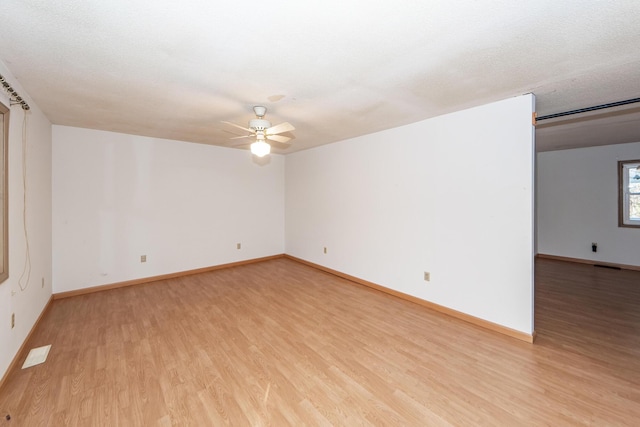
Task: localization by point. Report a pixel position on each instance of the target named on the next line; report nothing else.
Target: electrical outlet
(238, 245)
(143, 258)
(427, 276)
(13, 320)
(325, 249)
(43, 282)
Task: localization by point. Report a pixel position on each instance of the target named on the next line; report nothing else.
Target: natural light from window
(629, 203)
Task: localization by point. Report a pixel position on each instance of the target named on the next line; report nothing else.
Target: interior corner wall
(452, 196)
(578, 204)
(28, 289)
(185, 206)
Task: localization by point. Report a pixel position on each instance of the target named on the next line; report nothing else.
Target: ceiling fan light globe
(260, 148)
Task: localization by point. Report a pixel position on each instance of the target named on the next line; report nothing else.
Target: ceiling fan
(261, 129)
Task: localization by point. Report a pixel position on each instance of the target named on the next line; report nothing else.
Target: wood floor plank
(279, 343)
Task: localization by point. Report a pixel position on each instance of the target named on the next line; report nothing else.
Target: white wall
(452, 195)
(117, 197)
(26, 298)
(578, 204)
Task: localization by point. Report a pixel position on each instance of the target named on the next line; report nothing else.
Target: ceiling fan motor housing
(259, 124)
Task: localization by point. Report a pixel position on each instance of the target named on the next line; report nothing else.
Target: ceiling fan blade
(282, 127)
(232, 133)
(243, 136)
(238, 126)
(278, 138)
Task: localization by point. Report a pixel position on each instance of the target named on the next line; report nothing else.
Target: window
(629, 196)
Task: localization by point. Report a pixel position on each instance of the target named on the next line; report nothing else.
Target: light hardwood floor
(280, 343)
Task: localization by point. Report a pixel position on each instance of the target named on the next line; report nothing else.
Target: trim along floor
(281, 343)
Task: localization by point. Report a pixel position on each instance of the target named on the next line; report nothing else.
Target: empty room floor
(281, 343)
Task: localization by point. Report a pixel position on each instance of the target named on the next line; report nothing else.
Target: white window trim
(623, 196)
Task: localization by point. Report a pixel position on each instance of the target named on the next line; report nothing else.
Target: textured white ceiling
(333, 68)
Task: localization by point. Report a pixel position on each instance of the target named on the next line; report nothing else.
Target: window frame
(4, 178)
(623, 201)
